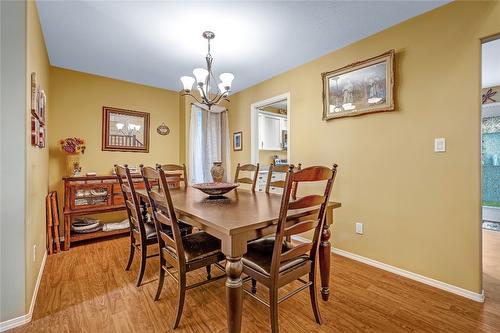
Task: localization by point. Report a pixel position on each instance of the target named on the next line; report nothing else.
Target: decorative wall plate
(163, 129)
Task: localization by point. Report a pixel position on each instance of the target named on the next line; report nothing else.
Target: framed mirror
(125, 130)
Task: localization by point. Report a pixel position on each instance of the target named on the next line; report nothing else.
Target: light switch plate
(359, 228)
(439, 145)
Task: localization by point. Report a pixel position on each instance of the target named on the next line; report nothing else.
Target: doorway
(270, 135)
(270, 130)
(490, 165)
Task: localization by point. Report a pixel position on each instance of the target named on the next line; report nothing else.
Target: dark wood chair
(182, 253)
(175, 167)
(247, 180)
(142, 232)
(275, 262)
(280, 183)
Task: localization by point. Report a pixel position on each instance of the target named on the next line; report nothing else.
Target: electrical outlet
(359, 228)
(34, 253)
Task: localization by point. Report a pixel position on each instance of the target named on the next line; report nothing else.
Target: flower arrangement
(72, 145)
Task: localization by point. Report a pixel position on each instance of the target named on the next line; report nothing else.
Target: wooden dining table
(237, 218)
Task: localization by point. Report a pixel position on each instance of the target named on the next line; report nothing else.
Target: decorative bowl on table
(216, 190)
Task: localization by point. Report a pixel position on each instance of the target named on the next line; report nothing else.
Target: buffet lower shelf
(76, 237)
(96, 195)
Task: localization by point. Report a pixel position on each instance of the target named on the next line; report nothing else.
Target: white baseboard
(24, 319)
(410, 275)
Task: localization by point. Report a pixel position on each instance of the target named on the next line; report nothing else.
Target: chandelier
(205, 79)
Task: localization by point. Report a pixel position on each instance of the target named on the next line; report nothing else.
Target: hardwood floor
(88, 290)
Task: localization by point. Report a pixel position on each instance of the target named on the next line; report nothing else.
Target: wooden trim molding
(24, 319)
(407, 274)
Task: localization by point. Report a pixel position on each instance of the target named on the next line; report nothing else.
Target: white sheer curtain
(208, 142)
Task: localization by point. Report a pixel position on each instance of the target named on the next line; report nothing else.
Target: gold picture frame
(363, 87)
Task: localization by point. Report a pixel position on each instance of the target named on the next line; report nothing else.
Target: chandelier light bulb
(227, 79)
(201, 75)
(119, 126)
(187, 82)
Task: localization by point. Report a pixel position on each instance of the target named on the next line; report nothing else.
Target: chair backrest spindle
(247, 180)
(130, 198)
(175, 167)
(282, 169)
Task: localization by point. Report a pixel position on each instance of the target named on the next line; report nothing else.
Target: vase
(217, 172)
(73, 167)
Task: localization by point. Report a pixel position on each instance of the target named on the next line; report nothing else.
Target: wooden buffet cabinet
(95, 195)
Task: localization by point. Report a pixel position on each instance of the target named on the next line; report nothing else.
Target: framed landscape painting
(363, 87)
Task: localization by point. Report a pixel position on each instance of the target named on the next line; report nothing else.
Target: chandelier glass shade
(210, 94)
(128, 129)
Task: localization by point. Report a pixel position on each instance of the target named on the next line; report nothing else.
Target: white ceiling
(156, 42)
(491, 64)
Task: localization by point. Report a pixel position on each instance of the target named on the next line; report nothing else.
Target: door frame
(482, 41)
(254, 124)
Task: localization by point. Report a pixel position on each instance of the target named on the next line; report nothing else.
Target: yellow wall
(37, 159)
(76, 110)
(183, 125)
(421, 209)
(266, 156)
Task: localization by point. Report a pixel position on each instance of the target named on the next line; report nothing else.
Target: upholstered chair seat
(198, 245)
(260, 254)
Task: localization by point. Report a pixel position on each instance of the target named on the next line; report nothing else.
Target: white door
(283, 129)
(270, 129)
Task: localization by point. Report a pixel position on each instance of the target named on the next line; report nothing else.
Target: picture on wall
(125, 130)
(363, 87)
(38, 109)
(237, 141)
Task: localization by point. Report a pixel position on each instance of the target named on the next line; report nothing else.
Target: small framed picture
(237, 141)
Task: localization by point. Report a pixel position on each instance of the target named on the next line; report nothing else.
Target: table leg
(234, 293)
(67, 227)
(324, 261)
